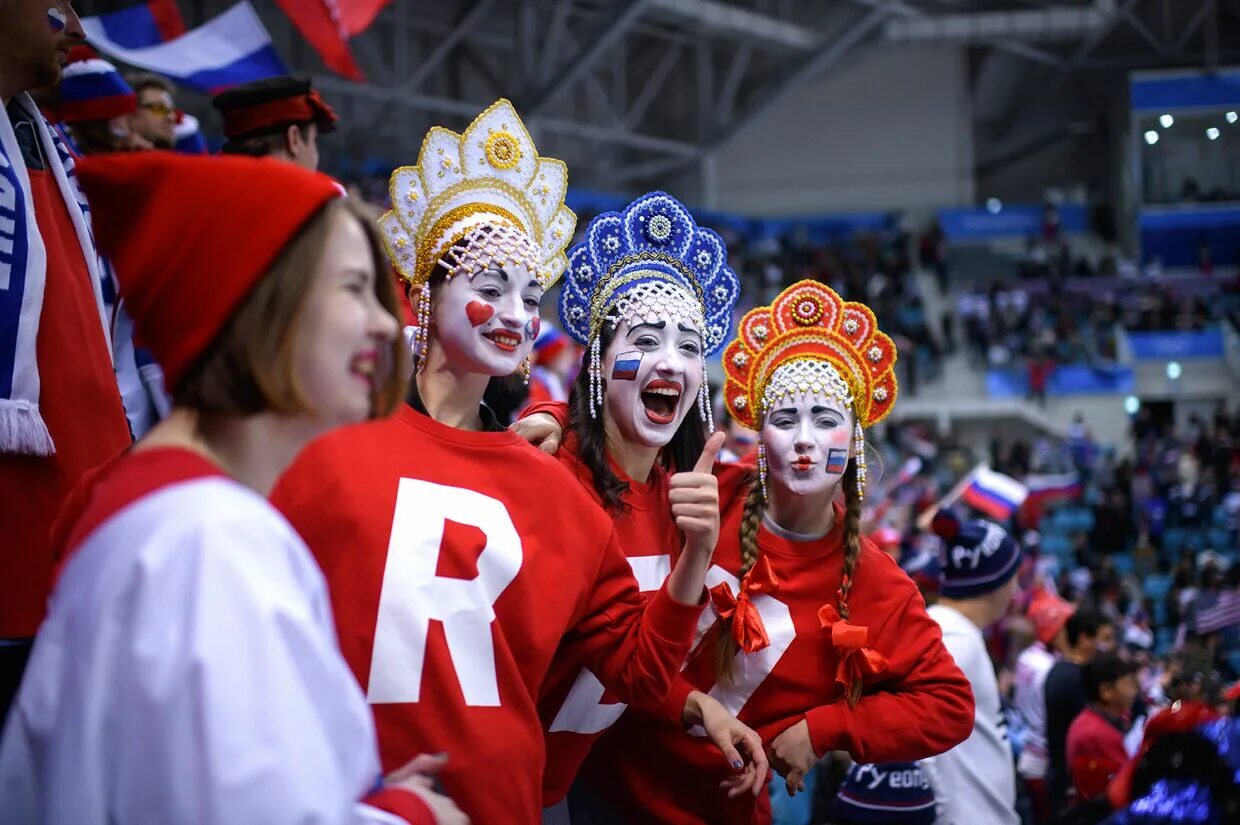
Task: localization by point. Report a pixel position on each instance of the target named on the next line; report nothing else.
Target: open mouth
(660, 398)
(365, 368)
(504, 340)
(803, 464)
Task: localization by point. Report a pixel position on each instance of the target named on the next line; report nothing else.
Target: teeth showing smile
(660, 399)
(506, 341)
(365, 367)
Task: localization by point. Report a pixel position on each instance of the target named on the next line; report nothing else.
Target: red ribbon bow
(747, 627)
(856, 660)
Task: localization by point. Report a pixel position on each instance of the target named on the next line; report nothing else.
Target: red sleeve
(634, 643)
(921, 708)
(556, 409)
(403, 803)
(672, 709)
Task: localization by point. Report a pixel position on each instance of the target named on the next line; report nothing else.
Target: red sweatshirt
(575, 708)
(921, 706)
(1095, 752)
(457, 563)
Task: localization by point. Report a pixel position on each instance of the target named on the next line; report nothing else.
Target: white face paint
(807, 438)
(487, 323)
(653, 373)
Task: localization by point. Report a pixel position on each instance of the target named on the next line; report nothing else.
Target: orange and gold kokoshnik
(809, 321)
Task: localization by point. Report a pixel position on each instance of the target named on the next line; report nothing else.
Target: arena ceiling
(629, 91)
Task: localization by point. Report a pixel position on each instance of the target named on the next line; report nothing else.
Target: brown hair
(141, 81)
(248, 369)
(726, 647)
(268, 143)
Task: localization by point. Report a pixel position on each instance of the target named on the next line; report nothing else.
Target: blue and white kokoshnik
(651, 260)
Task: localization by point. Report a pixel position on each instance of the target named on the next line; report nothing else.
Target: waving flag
(995, 494)
(226, 50)
(1044, 489)
(322, 23)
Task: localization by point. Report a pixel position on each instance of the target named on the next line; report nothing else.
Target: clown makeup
(655, 370)
(482, 321)
(807, 439)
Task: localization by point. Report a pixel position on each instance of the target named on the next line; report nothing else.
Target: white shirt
(1032, 666)
(975, 781)
(188, 673)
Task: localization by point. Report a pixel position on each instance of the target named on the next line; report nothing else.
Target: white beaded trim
(805, 377)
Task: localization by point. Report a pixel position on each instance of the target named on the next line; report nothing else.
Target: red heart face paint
(532, 327)
(478, 313)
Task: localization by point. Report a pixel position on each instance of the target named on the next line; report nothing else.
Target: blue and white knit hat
(894, 793)
(650, 261)
(978, 556)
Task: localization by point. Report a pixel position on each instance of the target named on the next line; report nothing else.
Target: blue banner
(1195, 91)
(1175, 235)
(1017, 220)
(1166, 346)
(1067, 379)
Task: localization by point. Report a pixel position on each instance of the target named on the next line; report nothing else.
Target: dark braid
(852, 553)
(726, 647)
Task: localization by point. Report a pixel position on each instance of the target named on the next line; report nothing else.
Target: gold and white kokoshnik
(477, 200)
(810, 378)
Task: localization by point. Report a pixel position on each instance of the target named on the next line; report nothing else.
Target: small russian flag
(1047, 488)
(625, 368)
(995, 494)
(837, 460)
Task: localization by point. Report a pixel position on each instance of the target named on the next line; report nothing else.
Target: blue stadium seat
(1123, 562)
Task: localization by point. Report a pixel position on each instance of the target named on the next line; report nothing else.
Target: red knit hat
(191, 235)
(1179, 718)
(1049, 614)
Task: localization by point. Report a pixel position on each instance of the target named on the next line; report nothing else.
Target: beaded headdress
(650, 262)
(810, 341)
(475, 200)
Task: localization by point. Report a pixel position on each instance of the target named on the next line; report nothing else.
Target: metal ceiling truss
(628, 91)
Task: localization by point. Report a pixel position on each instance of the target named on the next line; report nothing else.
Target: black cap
(271, 105)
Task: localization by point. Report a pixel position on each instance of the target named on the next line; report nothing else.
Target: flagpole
(924, 520)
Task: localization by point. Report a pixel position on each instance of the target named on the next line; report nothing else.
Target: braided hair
(726, 646)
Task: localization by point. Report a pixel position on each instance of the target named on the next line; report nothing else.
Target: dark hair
(1085, 622)
(141, 81)
(726, 647)
(679, 455)
(248, 368)
(1105, 669)
(262, 145)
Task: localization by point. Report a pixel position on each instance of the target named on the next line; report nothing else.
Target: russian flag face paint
(56, 19)
(626, 366)
(837, 460)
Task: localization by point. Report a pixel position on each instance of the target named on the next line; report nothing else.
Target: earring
(704, 407)
(762, 467)
(596, 377)
(422, 335)
(525, 371)
(859, 458)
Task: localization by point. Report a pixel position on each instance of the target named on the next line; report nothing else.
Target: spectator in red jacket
(1096, 738)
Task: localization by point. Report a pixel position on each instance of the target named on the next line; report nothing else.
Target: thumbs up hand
(694, 496)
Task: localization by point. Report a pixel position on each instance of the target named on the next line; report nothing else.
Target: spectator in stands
(1089, 633)
(1049, 615)
(96, 105)
(280, 117)
(1095, 745)
(976, 780)
(156, 118)
(61, 366)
